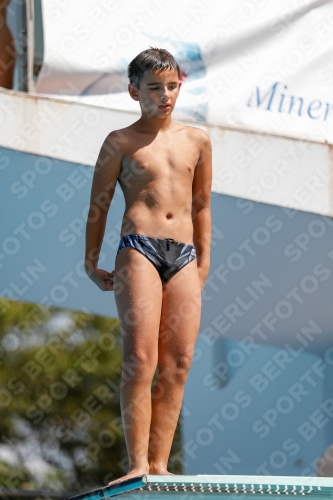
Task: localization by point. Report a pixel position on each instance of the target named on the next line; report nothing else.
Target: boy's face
(157, 89)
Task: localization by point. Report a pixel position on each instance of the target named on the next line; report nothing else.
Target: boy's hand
(103, 279)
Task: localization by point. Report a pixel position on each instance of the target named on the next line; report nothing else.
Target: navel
(169, 215)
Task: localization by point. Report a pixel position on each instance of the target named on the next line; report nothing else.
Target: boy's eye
(156, 88)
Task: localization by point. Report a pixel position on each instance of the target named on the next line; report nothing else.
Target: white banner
(259, 65)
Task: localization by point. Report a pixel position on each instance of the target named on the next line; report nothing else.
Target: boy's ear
(133, 91)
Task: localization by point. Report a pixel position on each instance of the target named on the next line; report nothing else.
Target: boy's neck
(154, 125)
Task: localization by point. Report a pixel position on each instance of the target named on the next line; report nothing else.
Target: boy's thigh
(138, 295)
(181, 310)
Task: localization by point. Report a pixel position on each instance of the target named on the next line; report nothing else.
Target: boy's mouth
(165, 106)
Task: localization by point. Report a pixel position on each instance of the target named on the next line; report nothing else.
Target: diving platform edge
(213, 485)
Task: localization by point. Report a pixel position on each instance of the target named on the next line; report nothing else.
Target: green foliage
(59, 395)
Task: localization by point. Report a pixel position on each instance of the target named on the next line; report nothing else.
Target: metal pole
(30, 45)
(22, 64)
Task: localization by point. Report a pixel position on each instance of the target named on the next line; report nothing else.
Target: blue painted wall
(264, 418)
(43, 234)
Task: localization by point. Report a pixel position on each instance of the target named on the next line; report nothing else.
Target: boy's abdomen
(158, 224)
(157, 186)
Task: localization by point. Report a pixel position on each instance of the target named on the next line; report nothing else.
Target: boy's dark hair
(152, 58)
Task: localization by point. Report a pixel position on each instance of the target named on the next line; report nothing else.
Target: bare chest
(160, 160)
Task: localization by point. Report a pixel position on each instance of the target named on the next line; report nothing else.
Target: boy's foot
(133, 473)
(158, 470)
(164, 473)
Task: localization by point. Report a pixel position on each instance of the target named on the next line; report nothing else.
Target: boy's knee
(181, 368)
(140, 364)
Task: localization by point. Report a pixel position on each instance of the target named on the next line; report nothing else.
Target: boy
(164, 170)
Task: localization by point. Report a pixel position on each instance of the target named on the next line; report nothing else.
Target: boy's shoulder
(198, 134)
(117, 139)
(121, 136)
(119, 133)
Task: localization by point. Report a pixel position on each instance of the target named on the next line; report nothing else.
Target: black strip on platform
(113, 489)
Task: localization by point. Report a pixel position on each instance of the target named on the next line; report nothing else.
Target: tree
(60, 376)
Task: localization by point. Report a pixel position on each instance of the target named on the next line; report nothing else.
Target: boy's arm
(105, 177)
(201, 213)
